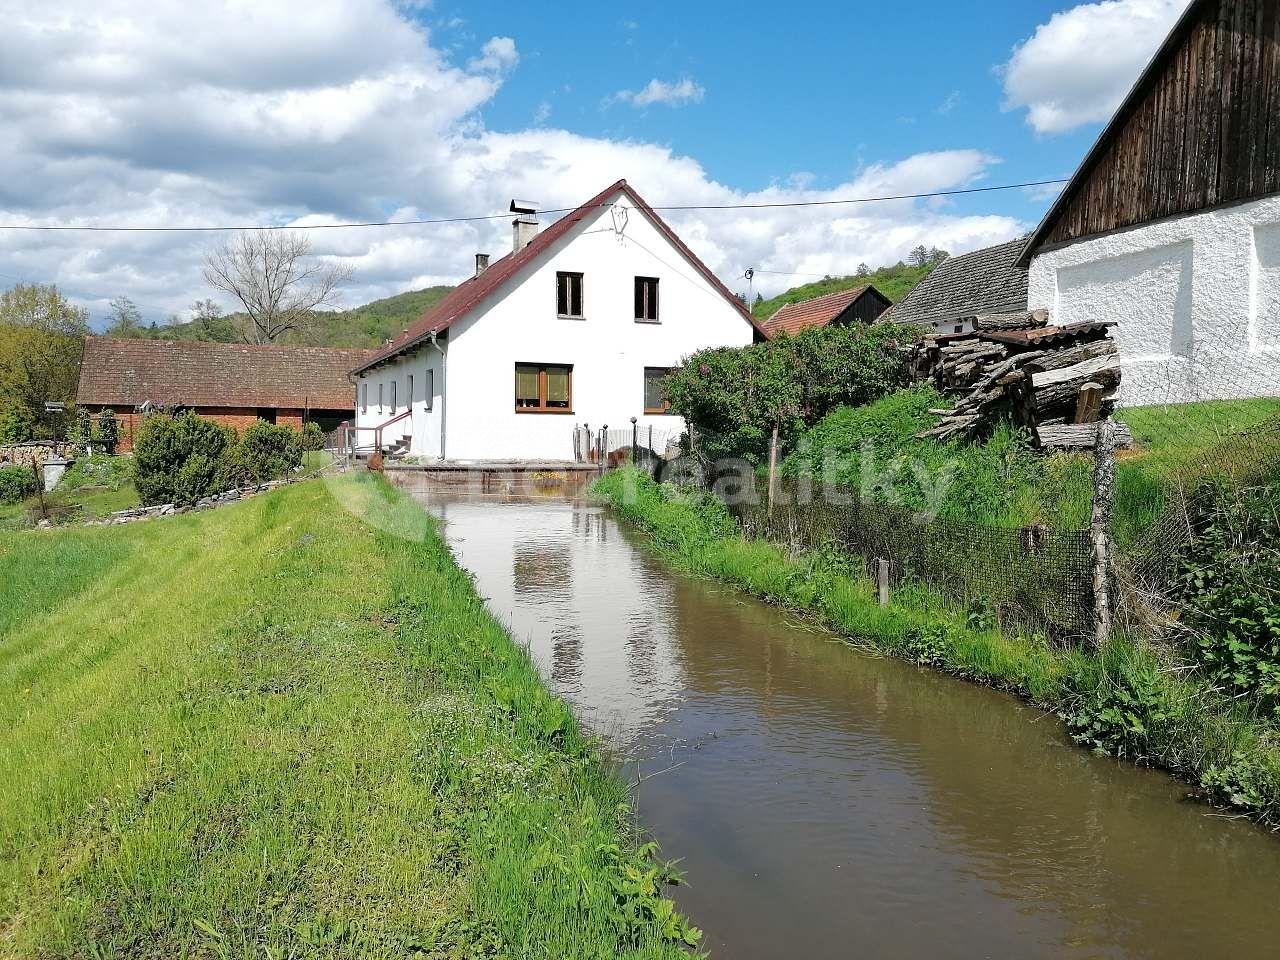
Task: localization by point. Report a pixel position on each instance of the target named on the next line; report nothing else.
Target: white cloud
(541, 113)
(498, 56)
(344, 110)
(1076, 68)
(950, 103)
(675, 94)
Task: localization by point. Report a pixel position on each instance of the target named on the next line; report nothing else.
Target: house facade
(1170, 228)
(862, 304)
(232, 383)
(577, 325)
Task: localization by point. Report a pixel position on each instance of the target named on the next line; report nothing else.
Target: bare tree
(276, 280)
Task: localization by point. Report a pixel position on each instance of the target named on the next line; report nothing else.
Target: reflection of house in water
(596, 618)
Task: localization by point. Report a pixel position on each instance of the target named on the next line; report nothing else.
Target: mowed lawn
(289, 728)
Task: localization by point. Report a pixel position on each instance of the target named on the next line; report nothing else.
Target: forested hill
(364, 326)
(894, 282)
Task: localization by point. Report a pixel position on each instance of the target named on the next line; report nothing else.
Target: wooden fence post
(1104, 476)
(773, 466)
(882, 581)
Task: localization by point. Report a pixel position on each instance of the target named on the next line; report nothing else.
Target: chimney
(525, 226)
(482, 263)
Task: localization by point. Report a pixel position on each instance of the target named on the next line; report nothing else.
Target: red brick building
(232, 383)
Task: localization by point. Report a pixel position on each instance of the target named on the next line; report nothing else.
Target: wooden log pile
(1019, 367)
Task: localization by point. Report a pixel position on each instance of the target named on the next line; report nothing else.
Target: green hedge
(16, 483)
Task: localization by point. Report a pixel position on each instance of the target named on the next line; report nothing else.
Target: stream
(827, 802)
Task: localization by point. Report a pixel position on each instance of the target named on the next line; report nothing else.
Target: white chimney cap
(524, 206)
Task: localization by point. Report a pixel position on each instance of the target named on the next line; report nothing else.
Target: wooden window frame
(561, 277)
(665, 409)
(649, 306)
(542, 389)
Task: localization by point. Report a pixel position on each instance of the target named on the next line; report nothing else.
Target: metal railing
(346, 439)
(615, 446)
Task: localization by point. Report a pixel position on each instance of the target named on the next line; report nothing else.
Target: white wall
(1196, 301)
(424, 425)
(608, 349)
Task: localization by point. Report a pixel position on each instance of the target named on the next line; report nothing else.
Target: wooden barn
(1170, 228)
(857, 305)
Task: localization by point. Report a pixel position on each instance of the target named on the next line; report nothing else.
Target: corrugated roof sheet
(201, 374)
(984, 281)
(1045, 334)
(817, 312)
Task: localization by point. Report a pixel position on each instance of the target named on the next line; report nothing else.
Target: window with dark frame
(409, 391)
(364, 398)
(655, 396)
(379, 398)
(429, 395)
(647, 299)
(544, 388)
(569, 294)
(394, 384)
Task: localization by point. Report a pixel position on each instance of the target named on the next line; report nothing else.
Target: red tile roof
(121, 372)
(471, 293)
(817, 312)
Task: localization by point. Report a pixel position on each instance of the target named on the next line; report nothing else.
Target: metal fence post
(635, 436)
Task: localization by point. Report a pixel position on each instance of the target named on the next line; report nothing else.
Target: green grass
(290, 728)
(1132, 699)
(93, 488)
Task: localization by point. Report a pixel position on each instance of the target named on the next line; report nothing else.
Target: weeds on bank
(1130, 700)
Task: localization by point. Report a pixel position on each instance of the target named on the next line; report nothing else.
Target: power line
(98, 228)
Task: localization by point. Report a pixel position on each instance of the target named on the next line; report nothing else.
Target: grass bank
(1132, 700)
(290, 728)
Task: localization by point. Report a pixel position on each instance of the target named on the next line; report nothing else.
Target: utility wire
(96, 228)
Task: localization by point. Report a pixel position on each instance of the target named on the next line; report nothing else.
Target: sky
(159, 113)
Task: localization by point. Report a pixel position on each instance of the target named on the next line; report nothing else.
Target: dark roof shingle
(984, 281)
(818, 312)
(471, 293)
(121, 372)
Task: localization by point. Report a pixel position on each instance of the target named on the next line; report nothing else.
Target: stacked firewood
(1058, 381)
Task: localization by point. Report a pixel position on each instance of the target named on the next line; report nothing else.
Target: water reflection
(829, 803)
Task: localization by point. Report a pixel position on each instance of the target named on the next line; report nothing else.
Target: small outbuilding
(862, 304)
(960, 289)
(232, 383)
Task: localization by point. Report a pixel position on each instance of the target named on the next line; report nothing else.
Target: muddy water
(830, 803)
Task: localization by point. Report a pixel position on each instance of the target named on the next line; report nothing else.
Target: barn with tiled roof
(859, 304)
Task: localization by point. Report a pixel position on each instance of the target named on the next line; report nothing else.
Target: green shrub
(734, 396)
(16, 483)
(98, 470)
(313, 437)
(106, 431)
(1229, 584)
(79, 429)
(268, 452)
(165, 444)
(16, 425)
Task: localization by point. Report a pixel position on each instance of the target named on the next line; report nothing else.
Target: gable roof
(984, 281)
(815, 312)
(471, 293)
(122, 372)
(1196, 12)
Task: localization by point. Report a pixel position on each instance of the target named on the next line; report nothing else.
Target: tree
(205, 311)
(936, 256)
(41, 341)
(919, 256)
(126, 320)
(277, 281)
(862, 270)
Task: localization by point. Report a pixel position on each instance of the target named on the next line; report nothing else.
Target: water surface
(827, 802)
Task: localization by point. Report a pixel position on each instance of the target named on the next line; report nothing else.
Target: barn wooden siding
(867, 307)
(1205, 131)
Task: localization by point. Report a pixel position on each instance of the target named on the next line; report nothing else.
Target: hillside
(894, 282)
(363, 326)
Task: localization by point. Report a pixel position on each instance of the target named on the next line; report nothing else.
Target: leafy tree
(735, 396)
(919, 256)
(126, 320)
(41, 342)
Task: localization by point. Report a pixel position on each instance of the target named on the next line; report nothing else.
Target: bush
(16, 483)
(268, 452)
(313, 437)
(79, 429)
(98, 470)
(163, 447)
(106, 431)
(734, 396)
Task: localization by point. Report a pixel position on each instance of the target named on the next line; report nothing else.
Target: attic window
(647, 299)
(569, 295)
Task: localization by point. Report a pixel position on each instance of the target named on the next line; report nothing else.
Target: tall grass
(1131, 699)
(290, 728)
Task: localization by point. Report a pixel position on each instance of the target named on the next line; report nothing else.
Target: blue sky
(297, 112)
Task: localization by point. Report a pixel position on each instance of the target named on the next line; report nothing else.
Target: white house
(1170, 228)
(576, 325)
